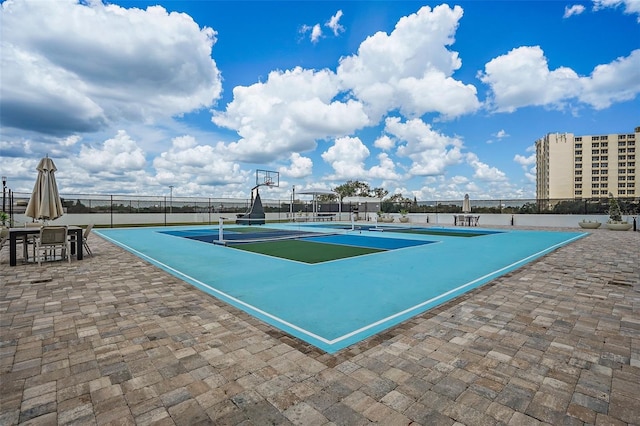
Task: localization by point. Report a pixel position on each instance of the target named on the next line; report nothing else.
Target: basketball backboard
(267, 178)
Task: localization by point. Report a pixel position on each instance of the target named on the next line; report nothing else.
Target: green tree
(380, 193)
(356, 188)
(326, 198)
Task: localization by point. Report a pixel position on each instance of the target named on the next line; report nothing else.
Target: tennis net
(228, 235)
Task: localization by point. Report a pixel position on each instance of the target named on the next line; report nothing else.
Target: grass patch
(305, 251)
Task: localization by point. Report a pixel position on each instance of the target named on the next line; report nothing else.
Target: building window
(595, 178)
(631, 150)
(604, 157)
(622, 157)
(622, 177)
(622, 143)
(621, 192)
(578, 172)
(605, 144)
(579, 159)
(621, 185)
(578, 192)
(578, 185)
(620, 165)
(631, 136)
(579, 152)
(578, 166)
(595, 151)
(596, 172)
(622, 136)
(604, 151)
(595, 158)
(629, 184)
(622, 150)
(631, 191)
(622, 171)
(631, 171)
(604, 138)
(595, 185)
(579, 139)
(604, 164)
(595, 138)
(593, 165)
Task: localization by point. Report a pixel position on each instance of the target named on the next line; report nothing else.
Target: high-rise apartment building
(590, 166)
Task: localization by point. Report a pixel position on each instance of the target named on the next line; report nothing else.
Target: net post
(220, 230)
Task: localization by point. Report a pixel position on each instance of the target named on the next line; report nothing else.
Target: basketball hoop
(267, 178)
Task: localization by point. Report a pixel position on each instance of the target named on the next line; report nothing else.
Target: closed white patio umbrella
(45, 203)
(466, 204)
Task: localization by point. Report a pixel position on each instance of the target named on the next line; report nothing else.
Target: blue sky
(432, 100)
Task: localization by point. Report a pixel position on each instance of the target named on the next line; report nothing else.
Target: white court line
(359, 330)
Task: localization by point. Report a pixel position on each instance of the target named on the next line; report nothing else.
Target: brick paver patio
(114, 340)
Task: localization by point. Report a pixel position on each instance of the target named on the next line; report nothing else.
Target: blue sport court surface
(334, 304)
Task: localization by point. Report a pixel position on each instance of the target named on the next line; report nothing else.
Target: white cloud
(430, 152)
(502, 134)
(316, 33)
(615, 82)
(411, 69)
(630, 6)
(384, 143)
(386, 169)
(288, 113)
(347, 157)
(528, 163)
(576, 9)
(506, 73)
(70, 140)
(334, 23)
(78, 66)
(117, 156)
(300, 167)
(483, 171)
(186, 161)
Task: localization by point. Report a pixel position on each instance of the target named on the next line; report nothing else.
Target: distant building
(590, 166)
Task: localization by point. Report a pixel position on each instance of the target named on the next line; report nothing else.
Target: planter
(589, 225)
(404, 219)
(618, 226)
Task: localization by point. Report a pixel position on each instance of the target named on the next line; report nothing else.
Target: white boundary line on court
(215, 290)
(359, 330)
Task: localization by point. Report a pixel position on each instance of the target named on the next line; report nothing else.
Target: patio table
(24, 233)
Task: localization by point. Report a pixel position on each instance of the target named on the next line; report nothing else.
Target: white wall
(441, 219)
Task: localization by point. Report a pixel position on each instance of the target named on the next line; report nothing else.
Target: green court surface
(305, 251)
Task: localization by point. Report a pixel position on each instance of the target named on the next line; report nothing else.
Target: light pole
(170, 198)
(4, 191)
(293, 197)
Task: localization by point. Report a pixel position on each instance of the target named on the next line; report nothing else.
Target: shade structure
(45, 203)
(466, 204)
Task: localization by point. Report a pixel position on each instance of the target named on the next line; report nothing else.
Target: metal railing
(116, 204)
